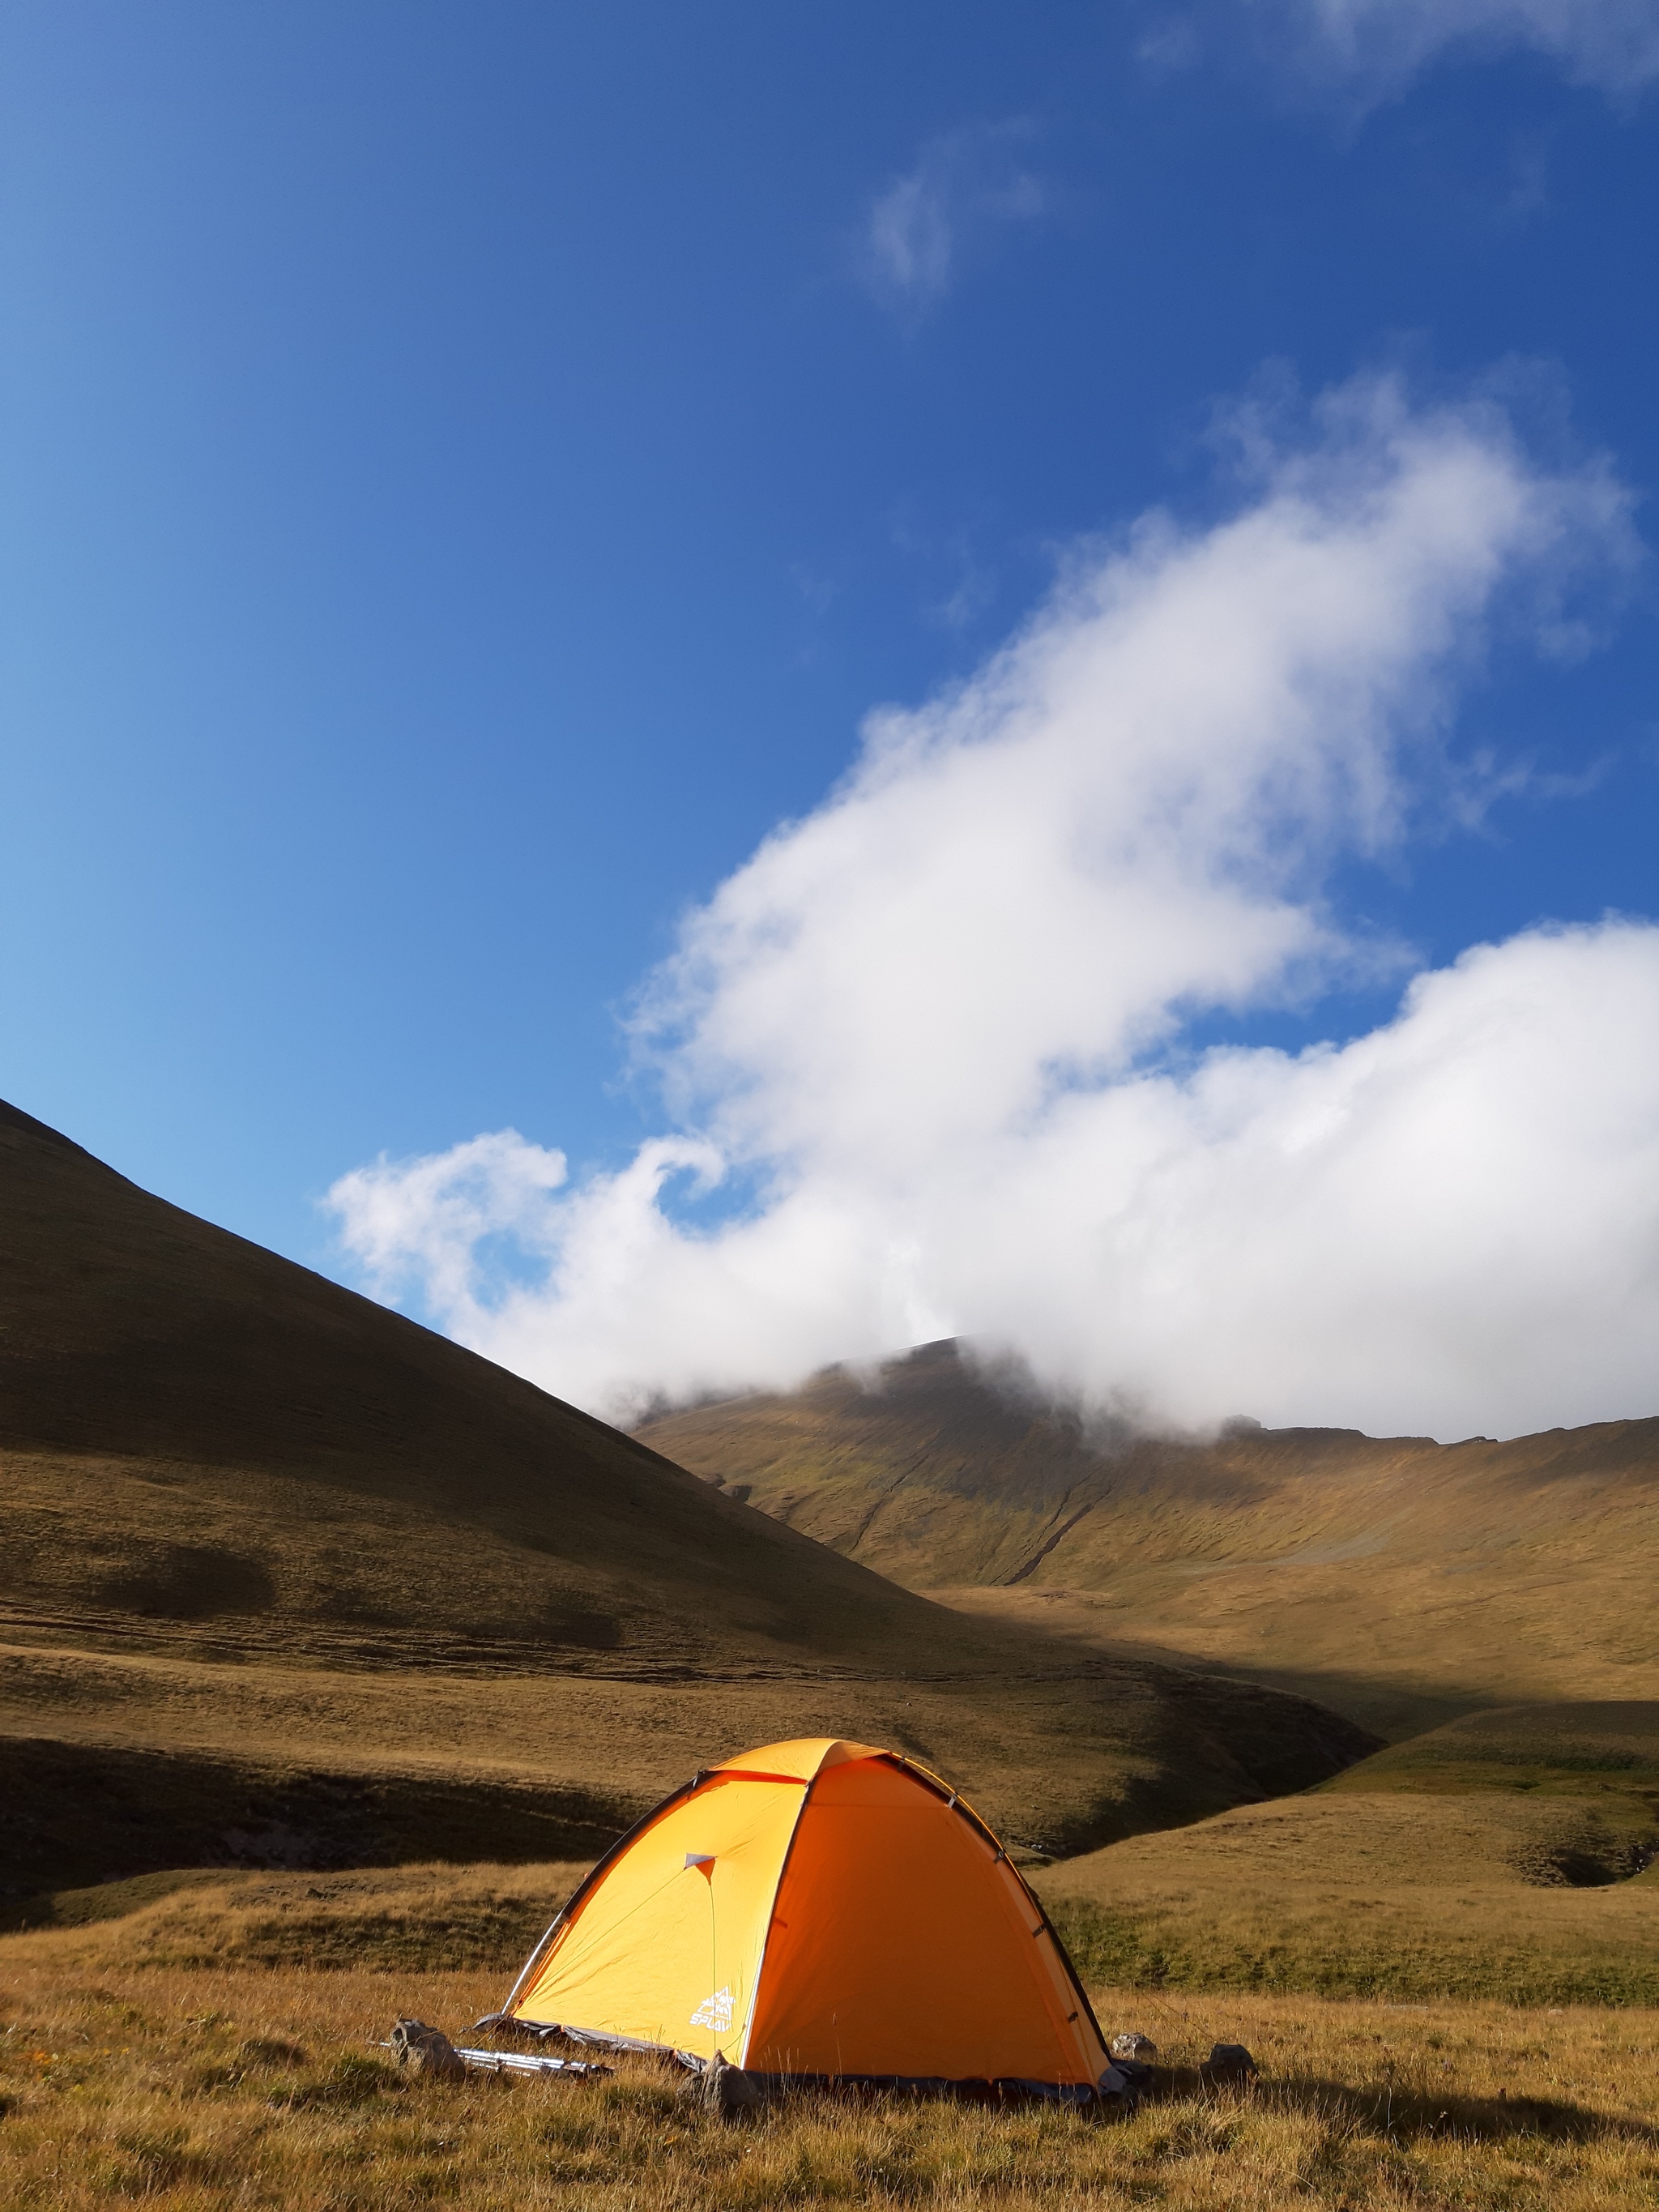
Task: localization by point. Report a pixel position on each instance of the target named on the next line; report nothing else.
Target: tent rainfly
(820, 1912)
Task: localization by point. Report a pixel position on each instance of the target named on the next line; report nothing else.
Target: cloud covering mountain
(940, 1032)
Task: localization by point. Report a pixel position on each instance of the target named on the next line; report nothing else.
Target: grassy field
(118, 1762)
(1386, 1897)
(217, 2085)
(330, 1655)
(1610, 1749)
(209, 2038)
(1360, 1897)
(419, 1919)
(1508, 1856)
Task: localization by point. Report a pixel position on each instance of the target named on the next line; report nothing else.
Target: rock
(1228, 2062)
(1140, 2048)
(426, 2050)
(725, 2089)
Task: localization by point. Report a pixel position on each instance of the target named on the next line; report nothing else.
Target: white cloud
(937, 1025)
(1451, 1226)
(1377, 45)
(425, 1222)
(964, 184)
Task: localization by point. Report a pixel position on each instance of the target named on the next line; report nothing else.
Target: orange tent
(822, 1909)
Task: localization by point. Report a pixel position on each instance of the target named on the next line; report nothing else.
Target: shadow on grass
(1406, 2114)
(86, 1816)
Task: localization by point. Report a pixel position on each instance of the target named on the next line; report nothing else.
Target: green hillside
(1397, 1579)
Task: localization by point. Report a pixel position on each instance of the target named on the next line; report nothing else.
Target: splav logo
(714, 2012)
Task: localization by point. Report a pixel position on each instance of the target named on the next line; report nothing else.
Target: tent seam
(766, 1941)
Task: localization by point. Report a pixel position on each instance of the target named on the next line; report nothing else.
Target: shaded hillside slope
(1396, 1579)
(336, 1589)
(203, 1437)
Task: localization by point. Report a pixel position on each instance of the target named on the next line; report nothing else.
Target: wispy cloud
(961, 583)
(937, 1028)
(1168, 45)
(1373, 47)
(921, 230)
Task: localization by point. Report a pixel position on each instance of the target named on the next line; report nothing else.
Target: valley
(1400, 1581)
(330, 1656)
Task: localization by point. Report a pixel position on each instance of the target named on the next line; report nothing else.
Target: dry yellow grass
(205, 2088)
(1242, 1903)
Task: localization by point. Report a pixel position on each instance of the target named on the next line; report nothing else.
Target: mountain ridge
(1397, 1579)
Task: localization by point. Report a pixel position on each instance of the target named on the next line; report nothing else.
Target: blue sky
(467, 474)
